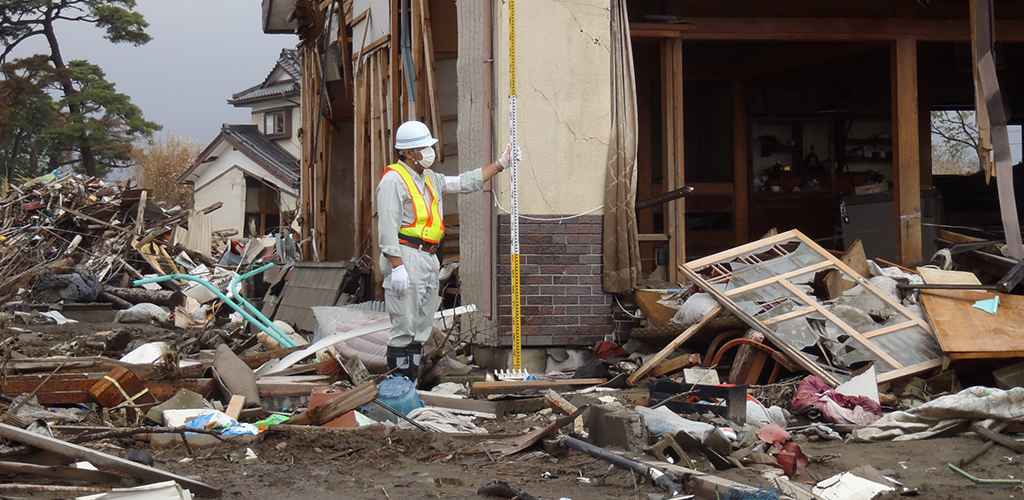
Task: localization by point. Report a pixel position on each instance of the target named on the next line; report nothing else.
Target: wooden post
(980, 108)
(672, 123)
(907, 166)
(475, 133)
(740, 164)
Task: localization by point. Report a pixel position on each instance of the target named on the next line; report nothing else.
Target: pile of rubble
(774, 357)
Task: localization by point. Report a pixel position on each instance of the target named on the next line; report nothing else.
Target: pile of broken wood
(76, 239)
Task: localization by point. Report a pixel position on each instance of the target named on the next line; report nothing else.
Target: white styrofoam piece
(865, 384)
(849, 486)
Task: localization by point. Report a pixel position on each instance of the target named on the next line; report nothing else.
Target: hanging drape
(621, 241)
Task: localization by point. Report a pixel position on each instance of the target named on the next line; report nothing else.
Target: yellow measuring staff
(517, 317)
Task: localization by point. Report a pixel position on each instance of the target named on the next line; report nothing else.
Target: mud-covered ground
(371, 464)
(375, 463)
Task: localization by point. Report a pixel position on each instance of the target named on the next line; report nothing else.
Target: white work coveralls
(412, 311)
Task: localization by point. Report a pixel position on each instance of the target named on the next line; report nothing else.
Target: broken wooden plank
(517, 444)
(666, 351)
(483, 407)
(58, 472)
(19, 490)
(235, 406)
(560, 404)
(73, 388)
(675, 364)
(1000, 439)
(352, 399)
(513, 386)
(104, 461)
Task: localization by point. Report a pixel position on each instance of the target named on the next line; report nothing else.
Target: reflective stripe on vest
(428, 222)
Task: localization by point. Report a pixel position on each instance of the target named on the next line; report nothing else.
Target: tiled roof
(289, 62)
(268, 154)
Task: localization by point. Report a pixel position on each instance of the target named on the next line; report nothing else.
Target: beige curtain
(621, 242)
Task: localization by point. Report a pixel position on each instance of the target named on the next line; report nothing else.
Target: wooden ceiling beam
(827, 29)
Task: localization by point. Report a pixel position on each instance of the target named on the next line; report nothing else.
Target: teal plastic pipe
(276, 334)
(236, 283)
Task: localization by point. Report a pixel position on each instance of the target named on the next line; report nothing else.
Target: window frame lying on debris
(716, 265)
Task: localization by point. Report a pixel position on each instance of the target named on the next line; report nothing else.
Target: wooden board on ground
(965, 332)
(483, 407)
(514, 386)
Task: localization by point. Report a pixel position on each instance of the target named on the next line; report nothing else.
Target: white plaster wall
(228, 157)
(229, 188)
(564, 102)
(293, 144)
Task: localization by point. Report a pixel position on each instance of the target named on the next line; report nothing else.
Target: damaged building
(798, 116)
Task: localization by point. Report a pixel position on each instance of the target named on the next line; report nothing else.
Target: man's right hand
(399, 279)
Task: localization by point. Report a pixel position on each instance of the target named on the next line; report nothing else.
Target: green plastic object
(242, 307)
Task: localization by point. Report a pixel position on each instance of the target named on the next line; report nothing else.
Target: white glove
(506, 157)
(399, 279)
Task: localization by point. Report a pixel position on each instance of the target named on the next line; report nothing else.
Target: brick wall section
(562, 299)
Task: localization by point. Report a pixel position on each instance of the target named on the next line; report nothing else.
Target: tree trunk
(68, 87)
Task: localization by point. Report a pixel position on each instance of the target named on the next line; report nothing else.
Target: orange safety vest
(428, 222)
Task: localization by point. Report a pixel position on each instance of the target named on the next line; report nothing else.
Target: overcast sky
(202, 52)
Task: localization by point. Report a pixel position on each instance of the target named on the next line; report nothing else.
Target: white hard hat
(413, 135)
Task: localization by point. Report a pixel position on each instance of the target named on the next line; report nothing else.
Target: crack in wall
(596, 39)
(558, 117)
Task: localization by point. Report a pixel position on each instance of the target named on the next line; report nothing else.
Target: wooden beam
(740, 164)
(667, 351)
(668, 148)
(104, 461)
(906, 137)
(512, 386)
(828, 29)
(672, 125)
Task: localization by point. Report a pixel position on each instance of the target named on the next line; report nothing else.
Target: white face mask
(429, 156)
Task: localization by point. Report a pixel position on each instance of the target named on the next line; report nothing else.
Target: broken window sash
(770, 280)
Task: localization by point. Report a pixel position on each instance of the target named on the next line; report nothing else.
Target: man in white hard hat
(410, 222)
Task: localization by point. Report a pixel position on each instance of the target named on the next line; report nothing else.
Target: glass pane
(744, 273)
(910, 346)
(827, 344)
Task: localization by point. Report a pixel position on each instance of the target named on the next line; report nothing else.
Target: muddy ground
(373, 463)
(409, 465)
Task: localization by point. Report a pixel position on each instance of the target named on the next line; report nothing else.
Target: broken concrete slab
(236, 376)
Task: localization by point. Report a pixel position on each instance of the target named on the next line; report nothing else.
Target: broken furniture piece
(676, 397)
(765, 284)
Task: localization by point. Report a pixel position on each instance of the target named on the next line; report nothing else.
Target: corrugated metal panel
(310, 284)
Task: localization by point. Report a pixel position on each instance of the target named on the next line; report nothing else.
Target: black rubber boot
(406, 360)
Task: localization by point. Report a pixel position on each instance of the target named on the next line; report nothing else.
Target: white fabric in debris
(945, 414)
(442, 420)
(694, 309)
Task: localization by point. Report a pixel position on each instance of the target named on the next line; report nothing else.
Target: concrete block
(668, 450)
(617, 427)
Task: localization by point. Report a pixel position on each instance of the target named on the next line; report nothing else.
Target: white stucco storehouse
(253, 169)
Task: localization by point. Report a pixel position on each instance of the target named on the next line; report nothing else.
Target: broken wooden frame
(767, 274)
